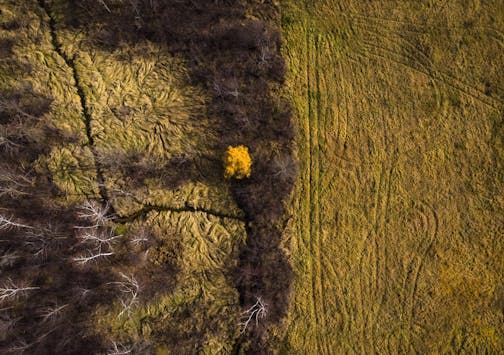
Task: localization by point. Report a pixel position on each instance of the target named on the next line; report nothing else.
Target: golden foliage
(237, 162)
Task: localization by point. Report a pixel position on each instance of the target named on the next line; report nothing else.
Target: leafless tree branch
(257, 311)
(265, 55)
(99, 239)
(119, 349)
(7, 223)
(12, 185)
(102, 2)
(7, 144)
(92, 255)
(94, 212)
(52, 312)
(130, 289)
(10, 291)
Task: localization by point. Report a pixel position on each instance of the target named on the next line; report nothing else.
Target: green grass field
(397, 229)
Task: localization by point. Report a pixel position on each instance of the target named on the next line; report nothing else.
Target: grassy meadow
(397, 229)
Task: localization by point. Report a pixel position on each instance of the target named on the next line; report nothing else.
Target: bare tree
(91, 255)
(119, 349)
(232, 89)
(130, 289)
(13, 185)
(139, 239)
(22, 345)
(10, 291)
(99, 238)
(140, 236)
(19, 347)
(99, 243)
(7, 143)
(265, 55)
(39, 240)
(7, 223)
(52, 312)
(139, 347)
(81, 292)
(257, 311)
(121, 192)
(219, 92)
(94, 212)
(284, 167)
(102, 2)
(12, 106)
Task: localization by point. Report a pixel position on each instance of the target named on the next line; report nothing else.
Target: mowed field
(397, 228)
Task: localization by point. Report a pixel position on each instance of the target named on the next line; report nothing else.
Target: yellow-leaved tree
(237, 162)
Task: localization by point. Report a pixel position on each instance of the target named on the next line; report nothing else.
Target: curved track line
(429, 67)
(374, 50)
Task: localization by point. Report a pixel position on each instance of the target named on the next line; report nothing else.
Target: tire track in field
(444, 78)
(419, 28)
(380, 220)
(425, 223)
(431, 221)
(314, 115)
(427, 65)
(335, 134)
(374, 261)
(362, 269)
(316, 118)
(318, 42)
(441, 109)
(427, 68)
(381, 241)
(342, 118)
(374, 255)
(362, 285)
(370, 290)
(371, 255)
(305, 305)
(310, 194)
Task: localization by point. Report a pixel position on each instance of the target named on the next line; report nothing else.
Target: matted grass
(137, 102)
(39, 68)
(201, 314)
(397, 229)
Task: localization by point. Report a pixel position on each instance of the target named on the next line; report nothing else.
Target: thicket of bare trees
(53, 259)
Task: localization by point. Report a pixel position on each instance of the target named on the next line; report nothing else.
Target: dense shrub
(237, 162)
